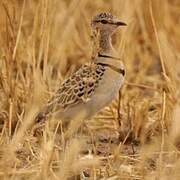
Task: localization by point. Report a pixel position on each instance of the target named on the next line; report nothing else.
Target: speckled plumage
(107, 16)
(95, 84)
(76, 89)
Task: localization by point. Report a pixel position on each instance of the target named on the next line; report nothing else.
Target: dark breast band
(118, 70)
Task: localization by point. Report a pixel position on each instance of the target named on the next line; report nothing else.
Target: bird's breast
(107, 90)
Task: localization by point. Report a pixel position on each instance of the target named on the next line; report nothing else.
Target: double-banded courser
(94, 85)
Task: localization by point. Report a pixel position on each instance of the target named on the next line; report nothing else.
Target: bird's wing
(77, 88)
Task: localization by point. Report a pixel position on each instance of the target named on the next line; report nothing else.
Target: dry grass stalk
(136, 137)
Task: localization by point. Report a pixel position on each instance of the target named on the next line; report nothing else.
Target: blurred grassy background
(44, 41)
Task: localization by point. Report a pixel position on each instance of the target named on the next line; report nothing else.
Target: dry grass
(137, 137)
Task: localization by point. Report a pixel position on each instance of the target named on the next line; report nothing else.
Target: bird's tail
(39, 121)
(43, 114)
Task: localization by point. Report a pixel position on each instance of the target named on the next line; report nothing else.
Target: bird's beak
(120, 23)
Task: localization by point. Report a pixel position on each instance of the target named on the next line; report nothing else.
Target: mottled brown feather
(77, 88)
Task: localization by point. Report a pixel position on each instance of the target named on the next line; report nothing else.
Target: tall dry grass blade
(19, 30)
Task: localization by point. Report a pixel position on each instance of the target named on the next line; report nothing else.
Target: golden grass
(137, 137)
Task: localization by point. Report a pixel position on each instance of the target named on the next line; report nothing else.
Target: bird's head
(106, 22)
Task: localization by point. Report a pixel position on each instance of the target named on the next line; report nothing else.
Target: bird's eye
(104, 21)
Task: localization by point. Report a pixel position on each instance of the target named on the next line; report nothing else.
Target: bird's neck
(105, 44)
(106, 53)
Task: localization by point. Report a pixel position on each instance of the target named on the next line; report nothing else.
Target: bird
(94, 85)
